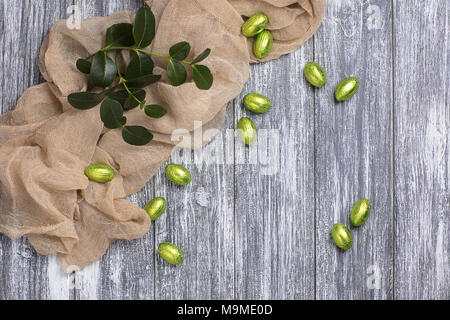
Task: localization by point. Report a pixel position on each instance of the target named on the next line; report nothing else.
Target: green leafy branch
(123, 91)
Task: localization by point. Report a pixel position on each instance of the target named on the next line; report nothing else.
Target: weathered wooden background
(262, 230)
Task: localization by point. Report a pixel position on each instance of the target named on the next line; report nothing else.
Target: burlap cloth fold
(45, 144)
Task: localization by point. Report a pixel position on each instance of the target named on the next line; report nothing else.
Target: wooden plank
(263, 247)
(274, 211)
(199, 219)
(126, 271)
(421, 125)
(23, 24)
(354, 150)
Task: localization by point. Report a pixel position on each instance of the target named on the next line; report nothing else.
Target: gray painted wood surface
(354, 150)
(23, 25)
(421, 148)
(261, 229)
(113, 277)
(274, 198)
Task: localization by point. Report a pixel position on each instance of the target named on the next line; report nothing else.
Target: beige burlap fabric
(45, 144)
(291, 22)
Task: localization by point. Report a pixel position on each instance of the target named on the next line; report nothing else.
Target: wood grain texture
(259, 227)
(274, 209)
(126, 271)
(23, 24)
(354, 150)
(421, 125)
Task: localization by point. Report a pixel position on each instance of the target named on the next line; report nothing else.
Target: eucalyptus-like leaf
(103, 70)
(155, 111)
(111, 113)
(143, 81)
(126, 100)
(136, 135)
(180, 51)
(84, 100)
(144, 27)
(120, 34)
(84, 66)
(176, 73)
(140, 65)
(202, 77)
(202, 56)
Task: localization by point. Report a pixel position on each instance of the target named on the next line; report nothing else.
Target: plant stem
(143, 51)
(154, 54)
(123, 81)
(119, 48)
(118, 70)
(132, 95)
(87, 58)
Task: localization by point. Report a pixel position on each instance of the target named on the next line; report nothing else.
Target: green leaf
(84, 100)
(84, 66)
(103, 70)
(144, 28)
(136, 135)
(155, 111)
(143, 81)
(176, 73)
(140, 65)
(120, 34)
(202, 77)
(126, 100)
(111, 113)
(180, 51)
(202, 56)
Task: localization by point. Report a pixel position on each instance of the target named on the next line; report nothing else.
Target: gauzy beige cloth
(45, 144)
(291, 22)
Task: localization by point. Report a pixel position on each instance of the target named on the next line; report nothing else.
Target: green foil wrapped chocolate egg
(99, 172)
(315, 74)
(263, 44)
(360, 212)
(178, 174)
(156, 207)
(257, 103)
(255, 25)
(342, 236)
(346, 89)
(247, 131)
(170, 253)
